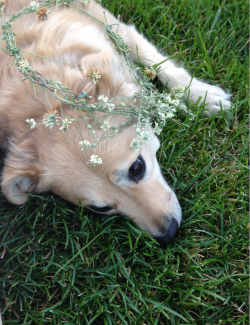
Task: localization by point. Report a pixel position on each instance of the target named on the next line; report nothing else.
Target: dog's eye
(137, 169)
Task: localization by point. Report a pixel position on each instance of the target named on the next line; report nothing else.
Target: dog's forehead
(119, 155)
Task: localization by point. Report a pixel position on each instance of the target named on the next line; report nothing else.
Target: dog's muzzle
(170, 232)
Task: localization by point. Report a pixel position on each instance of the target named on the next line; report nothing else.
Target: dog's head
(127, 182)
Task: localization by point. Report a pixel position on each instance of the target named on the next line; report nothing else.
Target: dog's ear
(21, 172)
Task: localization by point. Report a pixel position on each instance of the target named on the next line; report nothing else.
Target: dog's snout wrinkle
(170, 233)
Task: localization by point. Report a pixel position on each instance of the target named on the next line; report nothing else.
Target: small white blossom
(93, 75)
(50, 119)
(24, 66)
(85, 2)
(178, 92)
(95, 160)
(157, 129)
(65, 125)
(105, 126)
(142, 134)
(175, 102)
(110, 107)
(34, 5)
(103, 98)
(145, 136)
(136, 144)
(168, 99)
(85, 144)
(31, 122)
(169, 114)
(150, 72)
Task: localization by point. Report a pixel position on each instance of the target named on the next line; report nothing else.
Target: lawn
(61, 264)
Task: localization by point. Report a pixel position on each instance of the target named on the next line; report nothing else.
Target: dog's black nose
(171, 232)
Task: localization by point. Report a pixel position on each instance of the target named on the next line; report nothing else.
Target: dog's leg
(170, 74)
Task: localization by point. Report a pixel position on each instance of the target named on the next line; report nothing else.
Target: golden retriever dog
(43, 159)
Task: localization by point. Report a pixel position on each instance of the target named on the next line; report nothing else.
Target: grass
(61, 264)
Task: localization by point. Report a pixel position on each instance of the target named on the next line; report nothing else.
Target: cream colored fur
(40, 160)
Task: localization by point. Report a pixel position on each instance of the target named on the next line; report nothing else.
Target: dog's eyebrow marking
(99, 209)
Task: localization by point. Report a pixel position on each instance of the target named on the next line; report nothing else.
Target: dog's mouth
(99, 209)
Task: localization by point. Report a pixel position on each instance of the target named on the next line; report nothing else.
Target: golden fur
(44, 159)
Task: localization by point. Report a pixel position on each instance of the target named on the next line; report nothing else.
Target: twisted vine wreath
(155, 108)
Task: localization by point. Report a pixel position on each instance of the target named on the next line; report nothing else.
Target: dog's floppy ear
(21, 172)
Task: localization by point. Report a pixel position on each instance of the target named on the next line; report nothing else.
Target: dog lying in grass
(44, 159)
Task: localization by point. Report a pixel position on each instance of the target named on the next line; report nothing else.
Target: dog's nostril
(171, 232)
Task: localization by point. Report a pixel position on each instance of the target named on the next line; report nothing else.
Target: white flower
(105, 126)
(150, 72)
(50, 119)
(175, 102)
(34, 5)
(142, 135)
(24, 66)
(85, 144)
(110, 107)
(65, 125)
(168, 99)
(103, 98)
(136, 144)
(157, 129)
(178, 92)
(31, 122)
(93, 75)
(95, 160)
(85, 2)
(169, 114)
(145, 136)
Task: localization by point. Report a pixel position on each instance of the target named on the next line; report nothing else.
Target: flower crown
(155, 107)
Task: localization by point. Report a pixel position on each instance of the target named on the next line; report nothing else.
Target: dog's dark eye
(99, 209)
(137, 170)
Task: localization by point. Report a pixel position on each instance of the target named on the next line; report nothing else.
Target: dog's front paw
(216, 99)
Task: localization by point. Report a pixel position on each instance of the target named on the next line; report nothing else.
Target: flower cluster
(136, 144)
(141, 137)
(105, 126)
(42, 14)
(85, 2)
(31, 122)
(93, 75)
(177, 92)
(157, 129)
(150, 72)
(85, 144)
(50, 119)
(103, 98)
(106, 105)
(95, 160)
(24, 66)
(34, 5)
(146, 106)
(65, 125)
